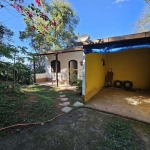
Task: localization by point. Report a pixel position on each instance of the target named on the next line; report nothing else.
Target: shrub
(79, 86)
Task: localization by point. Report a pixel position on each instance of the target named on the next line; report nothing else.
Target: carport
(131, 104)
(129, 58)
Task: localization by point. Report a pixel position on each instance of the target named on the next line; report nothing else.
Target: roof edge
(115, 39)
(60, 51)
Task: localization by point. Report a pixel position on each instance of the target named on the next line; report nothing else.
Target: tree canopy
(5, 35)
(54, 33)
(143, 24)
(148, 1)
(48, 25)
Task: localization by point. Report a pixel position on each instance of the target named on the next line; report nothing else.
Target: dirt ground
(131, 104)
(82, 129)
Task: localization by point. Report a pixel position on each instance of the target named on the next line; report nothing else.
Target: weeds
(118, 136)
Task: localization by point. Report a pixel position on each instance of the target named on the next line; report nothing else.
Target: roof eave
(60, 51)
(99, 43)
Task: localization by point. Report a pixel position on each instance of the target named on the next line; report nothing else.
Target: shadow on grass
(35, 105)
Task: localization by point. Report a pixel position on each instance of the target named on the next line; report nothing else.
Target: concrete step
(60, 92)
(64, 104)
(62, 95)
(64, 99)
(78, 104)
(66, 109)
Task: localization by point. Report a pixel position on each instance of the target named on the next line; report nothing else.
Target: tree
(54, 34)
(17, 54)
(5, 36)
(48, 26)
(16, 70)
(143, 24)
(148, 1)
(5, 33)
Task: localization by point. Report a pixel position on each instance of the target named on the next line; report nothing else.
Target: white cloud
(119, 1)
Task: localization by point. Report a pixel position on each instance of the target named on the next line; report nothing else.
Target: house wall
(94, 75)
(64, 59)
(133, 65)
(48, 68)
(41, 77)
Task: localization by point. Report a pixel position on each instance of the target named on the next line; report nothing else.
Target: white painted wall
(64, 59)
(41, 75)
(48, 67)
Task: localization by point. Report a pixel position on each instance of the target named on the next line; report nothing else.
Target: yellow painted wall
(133, 65)
(94, 75)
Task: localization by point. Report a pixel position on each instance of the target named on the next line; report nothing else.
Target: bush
(79, 86)
(73, 78)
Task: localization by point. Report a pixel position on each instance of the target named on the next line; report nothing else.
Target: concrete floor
(134, 105)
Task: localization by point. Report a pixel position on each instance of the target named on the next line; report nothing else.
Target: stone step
(64, 99)
(60, 92)
(66, 109)
(62, 95)
(64, 104)
(78, 104)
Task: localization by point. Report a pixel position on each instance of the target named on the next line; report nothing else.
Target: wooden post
(57, 68)
(34, 69)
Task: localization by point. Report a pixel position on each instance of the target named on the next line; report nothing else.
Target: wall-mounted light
(103, 62)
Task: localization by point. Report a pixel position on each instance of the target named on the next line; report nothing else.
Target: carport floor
(134, 105)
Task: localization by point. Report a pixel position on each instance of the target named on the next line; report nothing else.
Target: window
(53, 66)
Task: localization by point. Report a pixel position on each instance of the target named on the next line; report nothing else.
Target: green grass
(118, 136)
(37, 104)
(73, 96)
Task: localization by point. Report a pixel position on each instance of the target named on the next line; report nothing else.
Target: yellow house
(128, 57)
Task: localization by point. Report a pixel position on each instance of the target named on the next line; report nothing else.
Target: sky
(98, 18)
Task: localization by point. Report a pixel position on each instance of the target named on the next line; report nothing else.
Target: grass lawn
(73, 96)
(81, 129)
(118, 135)
(36, 104)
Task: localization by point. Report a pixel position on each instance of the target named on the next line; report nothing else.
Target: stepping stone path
(62, 96)
(66, 109)
(66, 104)
(64, 99)
(78, 104)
